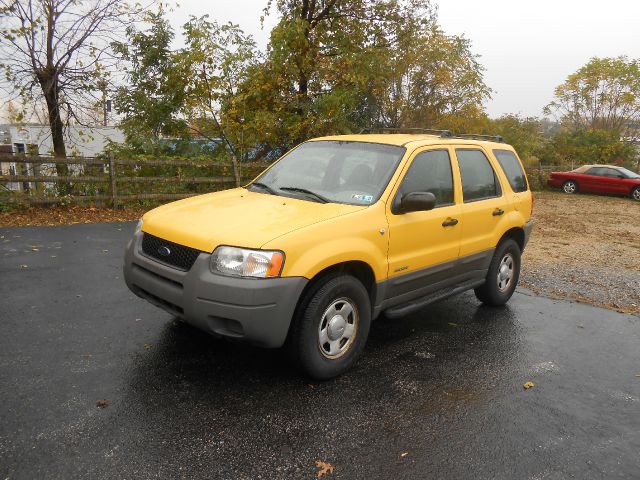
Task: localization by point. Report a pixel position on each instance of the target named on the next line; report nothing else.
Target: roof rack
(477, 136)
(429, 131)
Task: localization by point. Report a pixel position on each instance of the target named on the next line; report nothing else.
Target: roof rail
(429, 131)
(477, 136)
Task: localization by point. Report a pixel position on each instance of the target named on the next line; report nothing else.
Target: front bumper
(258, 311)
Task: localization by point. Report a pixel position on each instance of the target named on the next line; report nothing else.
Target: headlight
(241, 262)
(139, 226)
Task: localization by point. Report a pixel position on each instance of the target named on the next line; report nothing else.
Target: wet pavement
(438, 394)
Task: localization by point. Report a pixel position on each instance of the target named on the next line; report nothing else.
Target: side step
(413, 305)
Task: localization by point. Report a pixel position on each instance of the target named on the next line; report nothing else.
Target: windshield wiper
(317, 196)
(265, 187)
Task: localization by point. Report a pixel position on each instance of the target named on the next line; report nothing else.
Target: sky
(526, 47)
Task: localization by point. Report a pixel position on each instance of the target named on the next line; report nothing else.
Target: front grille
(178, 256)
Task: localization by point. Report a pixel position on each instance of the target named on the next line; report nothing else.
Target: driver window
(430, 172)
(595, 171)
(610, 172)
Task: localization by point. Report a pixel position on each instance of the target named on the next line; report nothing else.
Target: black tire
(303, 342)
(635, 193)
(490, 292)
(570, 187)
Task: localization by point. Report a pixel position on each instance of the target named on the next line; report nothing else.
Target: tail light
(532, 202)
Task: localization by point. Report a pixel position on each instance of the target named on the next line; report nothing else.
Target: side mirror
(416, 202)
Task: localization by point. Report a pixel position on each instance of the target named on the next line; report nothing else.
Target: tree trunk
(51, 96)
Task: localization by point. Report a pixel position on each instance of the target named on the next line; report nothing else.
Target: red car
(605, 179)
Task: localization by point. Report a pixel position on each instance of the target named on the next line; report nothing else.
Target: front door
(612, 182)
(423, 246)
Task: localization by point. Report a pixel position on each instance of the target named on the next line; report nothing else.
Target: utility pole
(106, 104)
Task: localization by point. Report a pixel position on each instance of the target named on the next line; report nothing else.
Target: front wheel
(635, 194)
(502, 277)
(570, 187)
(331, 327)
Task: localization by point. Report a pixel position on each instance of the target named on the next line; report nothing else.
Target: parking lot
(438, 394)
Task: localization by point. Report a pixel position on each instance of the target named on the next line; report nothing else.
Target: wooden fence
(114, 175)
(109, 175)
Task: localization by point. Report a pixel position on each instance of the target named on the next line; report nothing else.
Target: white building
(80, 141)
(34, 139)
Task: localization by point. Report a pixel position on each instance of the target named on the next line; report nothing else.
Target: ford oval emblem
(164, 251)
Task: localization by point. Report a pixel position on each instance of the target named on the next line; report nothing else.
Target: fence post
(112, 181)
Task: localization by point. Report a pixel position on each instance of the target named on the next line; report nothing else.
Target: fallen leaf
(324, 468)
(102, 403)
(311, 386)
(529, 385)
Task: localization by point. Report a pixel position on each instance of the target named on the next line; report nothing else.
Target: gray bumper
(528, 227)
(258, 311)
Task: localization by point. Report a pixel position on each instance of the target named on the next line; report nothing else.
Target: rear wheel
(502, 277)
(570, 187)
(331, 327)
(635, 194)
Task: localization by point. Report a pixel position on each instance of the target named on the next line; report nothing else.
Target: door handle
(450, 222)
(497, 211)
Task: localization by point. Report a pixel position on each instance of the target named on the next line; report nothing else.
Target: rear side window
(512, 169)
(430, 172)
(479, 181)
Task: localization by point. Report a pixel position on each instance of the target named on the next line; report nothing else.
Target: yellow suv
(336, 232)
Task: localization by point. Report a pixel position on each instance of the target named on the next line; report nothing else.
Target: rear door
(484, 208)
(517, 178)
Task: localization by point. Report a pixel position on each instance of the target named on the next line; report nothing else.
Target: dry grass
(590, 241)
(586, 229)
(43, 216)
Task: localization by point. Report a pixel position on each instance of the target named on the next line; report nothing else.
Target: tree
(579, 147)
(604, 94)
(153, 100)
(526, 135)
(341, 66)
(435, 80)
(56, 51)
(13, 114)
(217, 59)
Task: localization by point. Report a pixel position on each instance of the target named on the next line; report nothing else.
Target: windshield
(628, 173)
(355, 173)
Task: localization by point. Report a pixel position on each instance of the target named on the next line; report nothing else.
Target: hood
(236, 217)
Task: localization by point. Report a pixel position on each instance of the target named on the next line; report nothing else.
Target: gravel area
(585, 248)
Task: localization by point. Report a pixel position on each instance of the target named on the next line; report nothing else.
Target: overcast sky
(527, 48)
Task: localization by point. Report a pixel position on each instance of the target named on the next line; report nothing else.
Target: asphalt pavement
(438, 394)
